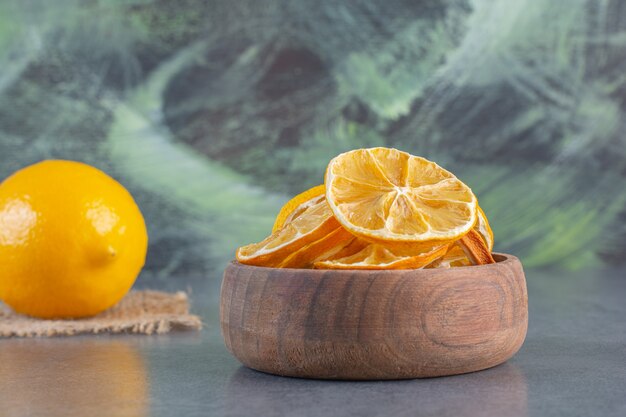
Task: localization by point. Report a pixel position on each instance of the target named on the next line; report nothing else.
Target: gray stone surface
(573, 363)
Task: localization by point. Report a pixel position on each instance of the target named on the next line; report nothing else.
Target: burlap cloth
(141, 312)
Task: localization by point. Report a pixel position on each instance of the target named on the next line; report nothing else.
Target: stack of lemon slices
(378, 208)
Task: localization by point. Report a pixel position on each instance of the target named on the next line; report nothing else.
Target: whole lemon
(72, 240)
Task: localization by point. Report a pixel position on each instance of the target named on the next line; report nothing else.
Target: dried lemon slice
(375, 256)
(312, 224)
(385, 195)
(297, 205)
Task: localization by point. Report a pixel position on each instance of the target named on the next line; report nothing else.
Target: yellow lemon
(72, 240)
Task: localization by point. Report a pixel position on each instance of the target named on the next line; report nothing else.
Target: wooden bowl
(392, 324)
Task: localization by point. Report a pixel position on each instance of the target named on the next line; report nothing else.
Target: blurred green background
(214, 113)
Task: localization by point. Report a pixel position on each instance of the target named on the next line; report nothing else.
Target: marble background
(213, 113)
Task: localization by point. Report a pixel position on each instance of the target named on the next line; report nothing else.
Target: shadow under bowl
(376, 324)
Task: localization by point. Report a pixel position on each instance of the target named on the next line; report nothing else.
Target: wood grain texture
(374, 324)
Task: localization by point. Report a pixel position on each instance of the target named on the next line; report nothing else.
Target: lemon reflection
(57, 377)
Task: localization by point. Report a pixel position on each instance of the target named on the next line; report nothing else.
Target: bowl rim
(502, 259)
